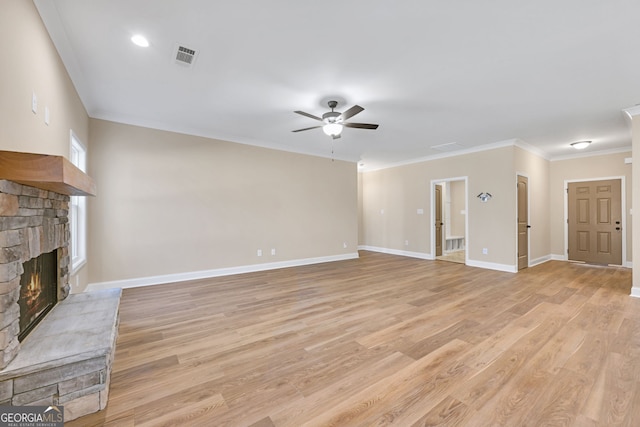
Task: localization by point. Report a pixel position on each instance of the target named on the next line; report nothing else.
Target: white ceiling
(545, 72)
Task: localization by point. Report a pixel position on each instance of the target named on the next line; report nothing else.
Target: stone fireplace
(55, 348)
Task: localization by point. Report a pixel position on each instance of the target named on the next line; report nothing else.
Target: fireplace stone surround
(66, 360)
(34, 222)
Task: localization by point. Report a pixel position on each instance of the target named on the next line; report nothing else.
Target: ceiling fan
(334, 121)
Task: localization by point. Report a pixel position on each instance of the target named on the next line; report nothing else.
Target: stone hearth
(67, 358)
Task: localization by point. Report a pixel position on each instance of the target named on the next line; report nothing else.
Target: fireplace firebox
(38, 291)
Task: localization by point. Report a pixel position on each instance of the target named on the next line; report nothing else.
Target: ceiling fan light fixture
(334, 121)
(580, 145)
(332, 129)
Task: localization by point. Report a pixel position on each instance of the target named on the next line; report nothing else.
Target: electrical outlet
(485, 251)
(259, 252)
(273, 251)
(344, 245)
(406, 243)
(34, 103)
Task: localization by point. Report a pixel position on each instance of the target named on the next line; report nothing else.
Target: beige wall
(584, 168)
(391, 198)
(171, 203)
(400, 191)
(635, 141)
(30, 64)
(360, 209)
(536, 169)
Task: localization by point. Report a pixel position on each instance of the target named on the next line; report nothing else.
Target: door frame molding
(432, 219)
(524, 175)
(623, 207)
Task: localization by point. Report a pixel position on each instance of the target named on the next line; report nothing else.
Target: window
(78, 210)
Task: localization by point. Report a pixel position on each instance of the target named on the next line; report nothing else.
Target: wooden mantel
(53, 173)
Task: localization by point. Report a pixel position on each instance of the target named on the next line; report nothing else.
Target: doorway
(449, 224)
(595, 221)
(438, 221)
(523, 221)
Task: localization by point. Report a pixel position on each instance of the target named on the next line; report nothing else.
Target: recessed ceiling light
(580, 145)
(140, 40)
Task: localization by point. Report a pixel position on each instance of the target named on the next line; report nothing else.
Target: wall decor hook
(484, 197)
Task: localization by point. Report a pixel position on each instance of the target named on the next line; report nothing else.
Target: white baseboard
(493, 266)
(480, 264)
(206, 274)
(410, 254)
(556, 257)
(541, 260)
(470, 263)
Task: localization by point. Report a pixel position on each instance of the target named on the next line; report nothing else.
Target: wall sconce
(484, 197)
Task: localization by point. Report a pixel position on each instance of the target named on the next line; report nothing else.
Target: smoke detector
(185, 55)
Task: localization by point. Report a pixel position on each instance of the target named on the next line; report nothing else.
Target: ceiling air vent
(185, 56)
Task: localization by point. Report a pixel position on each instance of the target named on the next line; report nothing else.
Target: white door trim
(434, 182)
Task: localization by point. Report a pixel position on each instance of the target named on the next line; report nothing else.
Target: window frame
(77, 209)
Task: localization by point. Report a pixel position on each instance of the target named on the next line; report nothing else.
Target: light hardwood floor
(380, 340)
(456, 256)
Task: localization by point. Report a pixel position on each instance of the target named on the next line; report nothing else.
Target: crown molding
(456, 153)
(631, 112)
(592, 154)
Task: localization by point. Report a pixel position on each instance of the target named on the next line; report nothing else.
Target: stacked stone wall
(32, 222)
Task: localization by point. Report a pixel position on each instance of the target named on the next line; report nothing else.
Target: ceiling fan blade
(311, 116)
(312, 127)
(360, 125)
(351, 112)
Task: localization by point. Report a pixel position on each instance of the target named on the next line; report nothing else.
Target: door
(595, 221)
(438, 221)
(523, 222)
